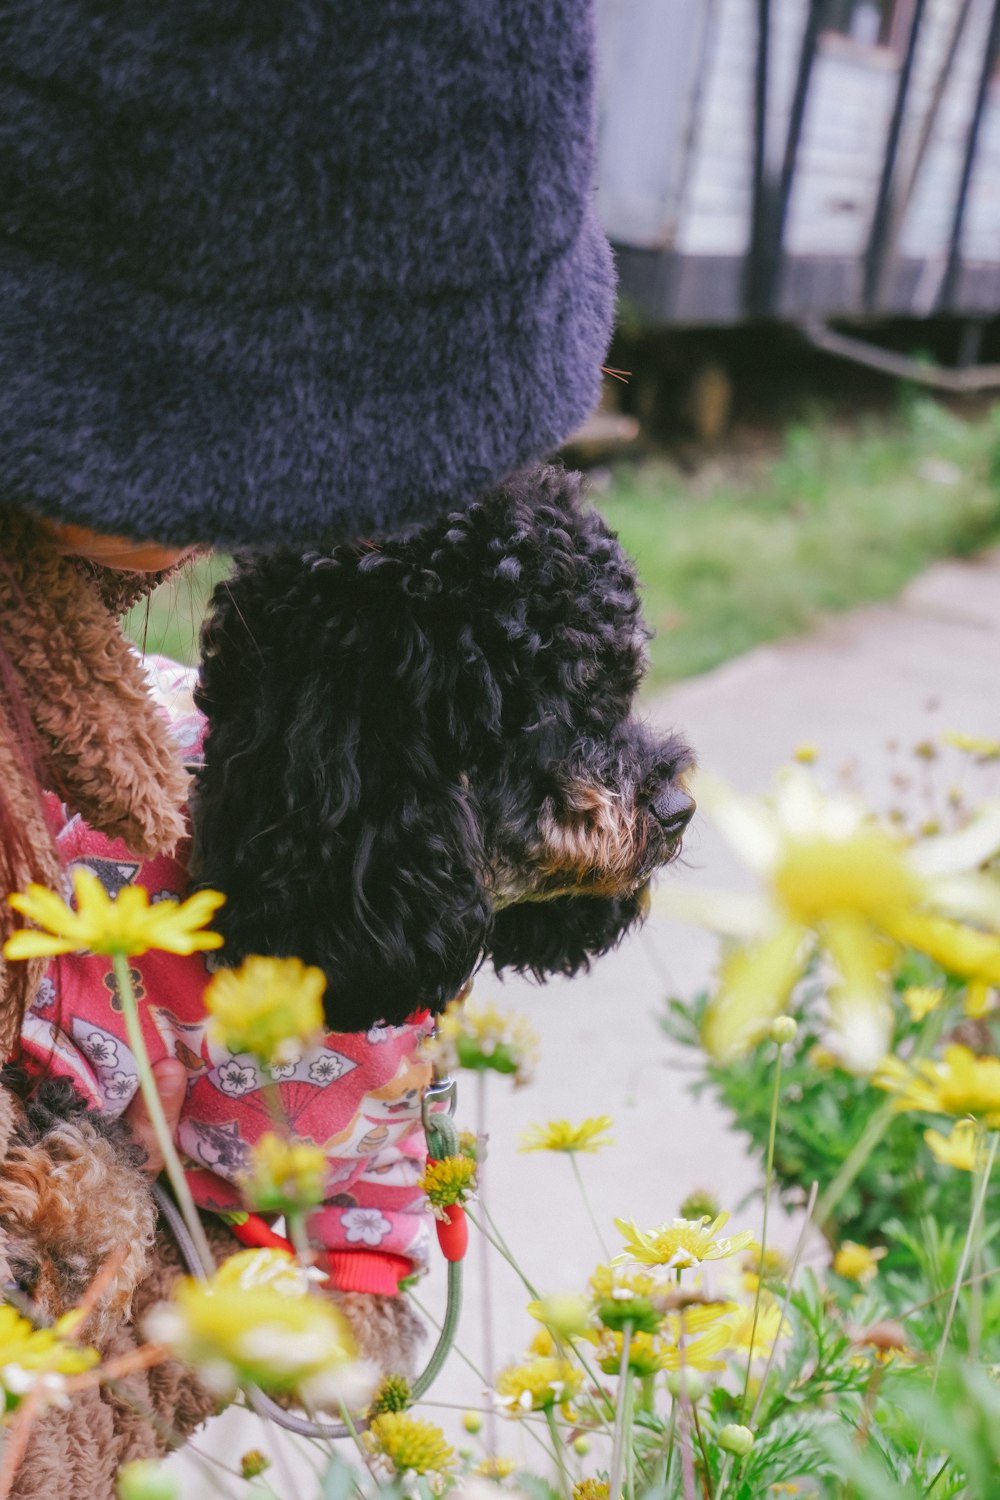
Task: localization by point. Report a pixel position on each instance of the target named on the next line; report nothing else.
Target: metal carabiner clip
(440, 1091)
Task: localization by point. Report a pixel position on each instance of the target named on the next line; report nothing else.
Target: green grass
(168, 621)
(751, 551)
(841, 517)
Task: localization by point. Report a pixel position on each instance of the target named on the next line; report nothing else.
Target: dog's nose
(673, 809)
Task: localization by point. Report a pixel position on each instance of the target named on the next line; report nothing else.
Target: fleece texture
(294, 271)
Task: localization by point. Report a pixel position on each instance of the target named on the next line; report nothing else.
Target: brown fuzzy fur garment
(75, 719)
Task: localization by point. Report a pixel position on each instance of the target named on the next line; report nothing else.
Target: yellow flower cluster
(481, 1037)
(448, 1181)
(257, 1321)
(270, 1007)
(409, 1445)
(285, 1176)
(125, 925)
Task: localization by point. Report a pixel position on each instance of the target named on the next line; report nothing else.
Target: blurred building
(802, 159)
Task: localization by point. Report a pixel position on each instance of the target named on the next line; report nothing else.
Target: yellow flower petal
(754, 988)
(126, 925)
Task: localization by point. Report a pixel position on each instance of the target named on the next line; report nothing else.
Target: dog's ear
(332, 809)
(562, 936)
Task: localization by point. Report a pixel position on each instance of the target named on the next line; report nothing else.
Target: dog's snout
(673, 808)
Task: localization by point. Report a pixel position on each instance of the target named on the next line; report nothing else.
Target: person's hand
(171, 1084)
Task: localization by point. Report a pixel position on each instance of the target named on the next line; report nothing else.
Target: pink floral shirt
(356, 1095)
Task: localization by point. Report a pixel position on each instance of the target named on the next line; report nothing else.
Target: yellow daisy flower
(268, 1006)
(836, 880)
(126, 924)
(959, 1083)
(537, 1385)
(857, 1263)
(628, 1293)
(409, 1445)
(285, 1176)
(645, 1352)
(679, 1244)
(256, 1321)
(560, 1135)
(960, 1149)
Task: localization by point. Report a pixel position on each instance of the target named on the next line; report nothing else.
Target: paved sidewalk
(903, 672)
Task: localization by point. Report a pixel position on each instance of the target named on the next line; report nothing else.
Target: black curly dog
(421, 753)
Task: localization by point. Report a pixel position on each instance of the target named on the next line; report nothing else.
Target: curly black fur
(403, 735)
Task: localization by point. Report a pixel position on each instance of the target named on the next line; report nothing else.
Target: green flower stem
(701, 1444)
(485, 1268)
(158, 1120)
(623, 1425)
(768, 1180)
(974, 1219)
(492, 1237)
(668, 1458)
(789, 1285)
(559, 1450)
(587, 1205)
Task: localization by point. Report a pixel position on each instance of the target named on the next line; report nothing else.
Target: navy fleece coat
(284, 270)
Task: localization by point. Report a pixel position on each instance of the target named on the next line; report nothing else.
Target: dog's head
(422, 751)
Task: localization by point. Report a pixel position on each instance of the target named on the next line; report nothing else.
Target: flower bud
(145, 1480)
(701, 1204)
(783, 1029)
(736, 1439)
(581, 1445)
(254, 1463)
(688, 1382)
(472, 1421)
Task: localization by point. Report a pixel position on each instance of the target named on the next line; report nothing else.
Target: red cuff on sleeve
(378, 1271)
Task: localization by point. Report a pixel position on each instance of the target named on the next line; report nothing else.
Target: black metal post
(882, 216)
(763, 186)
(807, 56)
(949, 285)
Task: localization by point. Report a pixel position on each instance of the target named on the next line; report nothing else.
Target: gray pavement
(901, 672)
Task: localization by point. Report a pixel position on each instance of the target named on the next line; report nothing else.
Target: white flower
(101, 1049)
(45, 994)
(235, 1078)
(286, 1067)
(365, 1225)
(119, 1086)
(326, 1068)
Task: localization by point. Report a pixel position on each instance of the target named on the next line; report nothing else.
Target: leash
(442, 1140)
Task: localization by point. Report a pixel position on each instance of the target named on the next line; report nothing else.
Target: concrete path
(895, 673)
